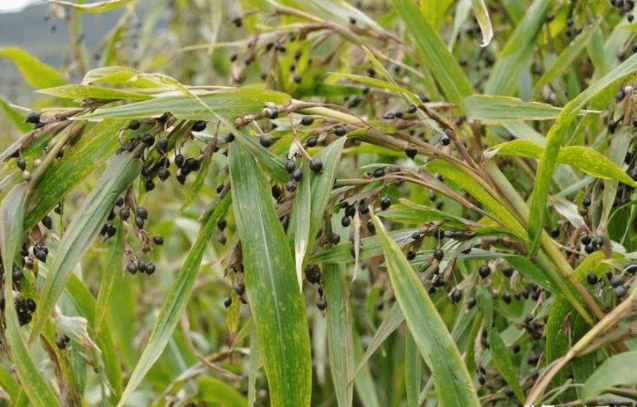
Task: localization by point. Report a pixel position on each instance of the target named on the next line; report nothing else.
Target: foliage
(311, 202)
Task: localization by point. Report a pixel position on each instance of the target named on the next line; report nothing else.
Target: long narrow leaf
(277, 305)
(11, 236)
(435, 54)
(453, 382)
(339, 333)
(554, 142)
(175, 302)
(83, 230)
(37, 73)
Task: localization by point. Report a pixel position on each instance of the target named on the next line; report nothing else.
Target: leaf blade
(438, 59)
(453, 382)
(83, 230)
(11, 235)
(277, 305)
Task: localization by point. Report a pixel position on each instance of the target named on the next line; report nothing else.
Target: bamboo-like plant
(305, 200)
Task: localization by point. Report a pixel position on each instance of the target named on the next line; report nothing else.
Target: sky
(12, 6)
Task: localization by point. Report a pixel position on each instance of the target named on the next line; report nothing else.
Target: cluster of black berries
(139, 266)
(40, 251)
(62, 341)
(34, 118)
(572, 31)
(534, 328)
(592, 244)
(239, 287)
(186, 166)
(625, 7)
(615, 281)
(25, 308)
(314, 276)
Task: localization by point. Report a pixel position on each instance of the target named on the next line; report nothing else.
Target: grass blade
(98, 7)
(435, 54)
(389, 324)
(277, 306)
(112, 274)
(231, 102)
(75, 91)
(14, 115)
(453, 382)
(567, 57)
(616, 370)
(365, 387)
(499, 351)
(413, 370)
(554, 141)
(300, 227)
(503, 80)
(330, 156)
(35, 72)
(494, 109)
(339, 333)
(498, 212)
(11, 236)
(175, 303)
(83, 230)
(482, 15)
(96, 145)
(215, 392)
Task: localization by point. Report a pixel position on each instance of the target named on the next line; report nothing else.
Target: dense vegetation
(310, 202)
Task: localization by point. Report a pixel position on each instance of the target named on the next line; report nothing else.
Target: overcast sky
(12, 6)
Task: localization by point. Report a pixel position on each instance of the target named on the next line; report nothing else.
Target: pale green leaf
(278, 308)
(453, 383)
(35, 72)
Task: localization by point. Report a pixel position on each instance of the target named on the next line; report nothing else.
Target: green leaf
(390, 323)
(81, 233)
(98, 7)
(84, 302)
(585, 158)
(434, 53)
(531, 271)
(339, 333)
(119, 75)
(413, 370)
(375, 82)
(593, 163)
(35, 72)
(16, 117)
(494, 109)
(230, 102)
(554, 142)
(616, 370)
(412, 213)
(9, 385)
(363, 381)
(330, 157)
(499, 352)
(277, 306)
(466, 181)
(482, 15)
(76, 91)
(514, 58)
(11, 237)
(93, 149)
(434, 11)
(217, 392)
(175, 302)
(453, 382)
(567, 57)
(299, 225)
(112, 274)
